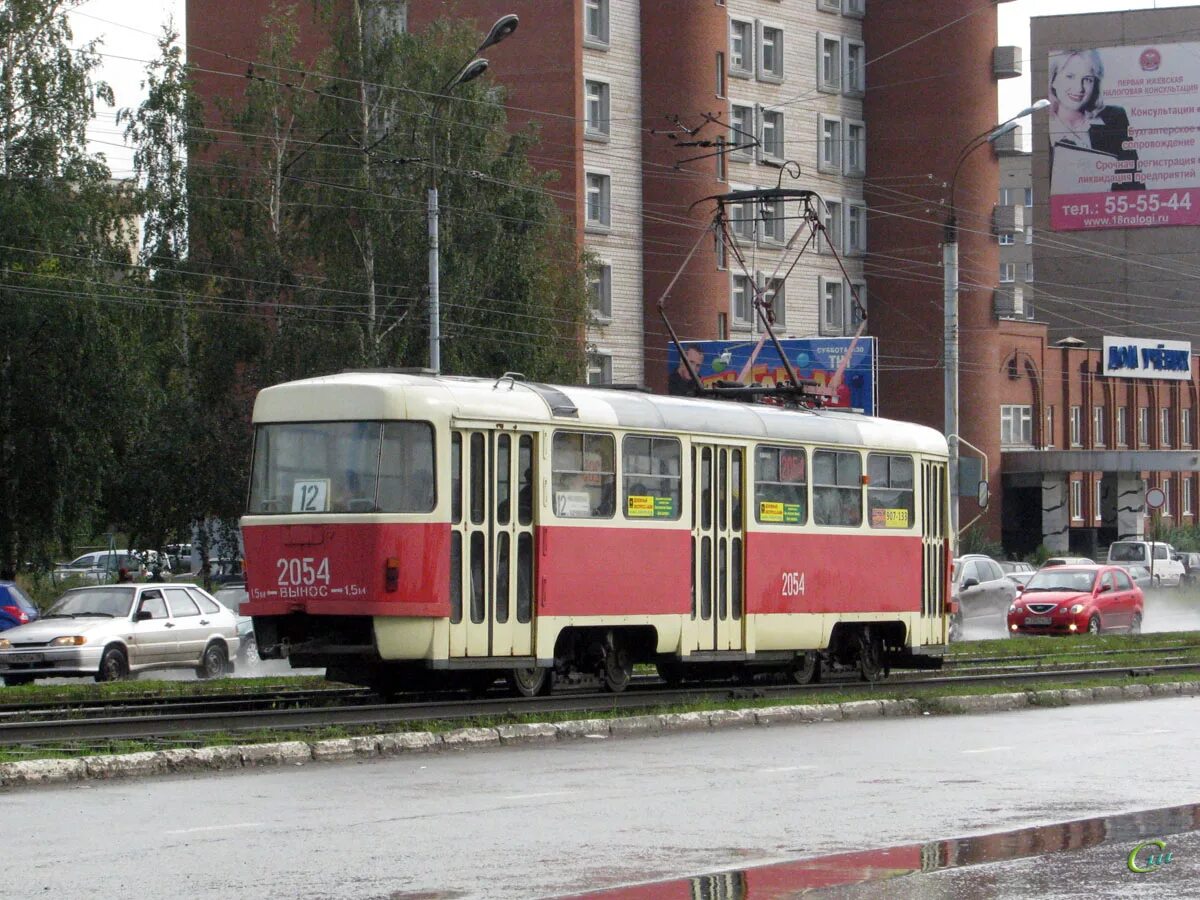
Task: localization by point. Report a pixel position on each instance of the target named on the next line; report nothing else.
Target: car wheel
(249, 649)
(213, 662)
(114, 665)
(1094, 625)
(1135, 626)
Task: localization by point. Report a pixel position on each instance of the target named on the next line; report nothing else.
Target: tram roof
(394, 395)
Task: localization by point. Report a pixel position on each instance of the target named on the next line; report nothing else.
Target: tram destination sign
(757, 362)
(1143, 358)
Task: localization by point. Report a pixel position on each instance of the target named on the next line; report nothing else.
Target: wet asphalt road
(569, 817)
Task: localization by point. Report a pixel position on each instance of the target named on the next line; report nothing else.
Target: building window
(855, 7)
(596, 109)
(1029, 197)
(741, 48)
(1016, 425)
(831, 218)
(770, 53)
(599, 200)
(829, 154)
(1028, 272)
(1122, 426)
(854, 81)
(857, 300)
(595, 22)
(720, 74)
(1186, 498)
(856, 149)
(742, 120)
(830, 5)
(829, 63)
(833, 314)
(1144, 426)
(600, 289)
(1164, 427)
(719, 248)
(1166, 489)
(773, 294)
(1098, 500)
(1048, 437)
(771, 212)
(743, 301)
(1006, 239)
(722, 167)
(1076, 499)
(1097, 426)
(1006, 195)
(1029, 235)
(1185, 427)
(741, 220)
(722, 327)
(599, 369)
(1076, 426)
(1008, 272)
(856, 228)
(772, 135)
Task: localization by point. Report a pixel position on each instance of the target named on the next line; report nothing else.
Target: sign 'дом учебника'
(1142, 358)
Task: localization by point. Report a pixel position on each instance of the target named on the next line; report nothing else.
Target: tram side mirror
(983, 494)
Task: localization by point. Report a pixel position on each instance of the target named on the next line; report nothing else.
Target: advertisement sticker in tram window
(311, 495)
(889, 518)
(641, 506)
(772, 511)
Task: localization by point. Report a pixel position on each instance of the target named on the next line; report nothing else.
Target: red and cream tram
(406, 530)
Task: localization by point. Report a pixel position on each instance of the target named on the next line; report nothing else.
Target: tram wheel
(870, 657)
(806, 669)
(532, 682)
(618, 666)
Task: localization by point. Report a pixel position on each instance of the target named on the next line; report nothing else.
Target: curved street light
(950, 295)
(469, 71)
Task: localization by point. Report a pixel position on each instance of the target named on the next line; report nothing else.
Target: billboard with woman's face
(1123, 129)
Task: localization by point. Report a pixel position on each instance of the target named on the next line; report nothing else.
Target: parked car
(111, 631)
(1140, 576)
(1167, 570)
(980, 593)
(1017, 571)
(1068, 561)
(15, 608)
(99, 567)
(232, 595)
(1078, 599)
(1191, 567)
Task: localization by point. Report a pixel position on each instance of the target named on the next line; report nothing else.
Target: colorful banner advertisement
(1123, 127)
(815, 358)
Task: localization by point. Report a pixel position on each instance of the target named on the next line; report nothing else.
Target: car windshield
(1061, 580)
(231, 597)
(105, 601)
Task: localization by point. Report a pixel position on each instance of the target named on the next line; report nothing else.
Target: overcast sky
(130, 28)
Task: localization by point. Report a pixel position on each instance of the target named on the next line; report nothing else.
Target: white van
(1167, 570)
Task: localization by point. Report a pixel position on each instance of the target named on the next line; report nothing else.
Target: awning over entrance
(1013, 462)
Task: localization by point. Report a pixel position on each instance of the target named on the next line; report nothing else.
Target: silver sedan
(111, 631)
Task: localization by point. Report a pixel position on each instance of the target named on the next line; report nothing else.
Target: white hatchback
(111, 631)
(1166, 570)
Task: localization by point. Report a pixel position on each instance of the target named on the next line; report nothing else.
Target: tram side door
(717, 541)
(491, 550)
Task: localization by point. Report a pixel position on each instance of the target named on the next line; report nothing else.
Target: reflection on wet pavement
(964, 867)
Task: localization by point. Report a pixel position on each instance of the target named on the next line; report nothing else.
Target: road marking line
(536, 796)
(988, 750)
(200, 828)
(786, 769)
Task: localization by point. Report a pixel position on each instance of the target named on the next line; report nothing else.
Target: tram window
(706, 489)
(524, 577)
(406, 469)
(478, 470)
(503, 478)
(837, 488)
(890, 491)
(584, 475)
(502, 554)
(652, 477)
(525, 480)
(455, 577)
(735, 561)
(735, 486)
(315, 467)
(477, 577)
(781, 485)
(456, 478)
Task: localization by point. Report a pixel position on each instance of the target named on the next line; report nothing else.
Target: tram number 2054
(307, 570)
(793, 584)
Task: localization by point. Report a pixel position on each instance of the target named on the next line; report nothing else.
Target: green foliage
(975, 540)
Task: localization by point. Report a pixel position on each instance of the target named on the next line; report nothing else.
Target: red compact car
(1074, 599)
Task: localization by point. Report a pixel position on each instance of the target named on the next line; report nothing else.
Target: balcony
(1006, 62)
(1008, 219)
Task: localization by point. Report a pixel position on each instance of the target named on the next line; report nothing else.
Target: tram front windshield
(342, 467)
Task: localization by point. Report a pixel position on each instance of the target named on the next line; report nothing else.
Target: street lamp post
(471, 70)
(950, 294)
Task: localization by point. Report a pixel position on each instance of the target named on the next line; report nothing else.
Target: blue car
(15, 608)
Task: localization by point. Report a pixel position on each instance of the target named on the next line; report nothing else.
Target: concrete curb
(299, 753)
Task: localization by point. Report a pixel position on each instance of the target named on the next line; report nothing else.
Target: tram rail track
(642, 696)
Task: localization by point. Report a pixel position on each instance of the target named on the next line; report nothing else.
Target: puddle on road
(782, 880)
